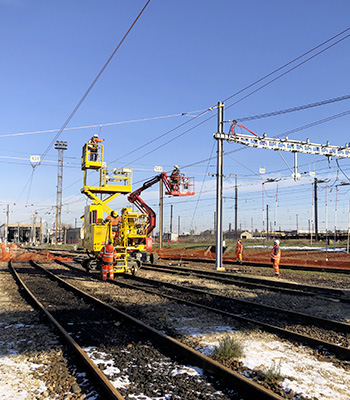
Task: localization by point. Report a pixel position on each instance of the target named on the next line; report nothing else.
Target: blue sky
(181, 57)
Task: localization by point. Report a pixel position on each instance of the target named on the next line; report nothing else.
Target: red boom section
(135, 198)
(183, 187)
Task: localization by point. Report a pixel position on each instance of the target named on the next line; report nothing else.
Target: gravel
(33, 363)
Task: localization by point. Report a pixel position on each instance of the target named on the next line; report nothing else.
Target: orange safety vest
(276, 254)
(114, 221)
(239, 249)
(93, 143)
(107, 253)
(175, 176)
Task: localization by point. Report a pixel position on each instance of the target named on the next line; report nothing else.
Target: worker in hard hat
(239, 251)
(276, 257)
(113, 219)
(175, 178)
(108, 255)
(93, 146)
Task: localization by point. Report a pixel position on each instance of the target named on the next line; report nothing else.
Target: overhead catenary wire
(25, 186)
(198, 198)
(289, 132)
(288, 189)
(293, 109)
(241, 91)
(244, 89)
(342, 171)
(241, 149)
(71, 115)
(104, 124)
(205, 111)
(288, 63)
(288, 71)
(241, 119)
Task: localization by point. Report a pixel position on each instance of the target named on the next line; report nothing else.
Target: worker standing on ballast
(93, 146)
(108, 255)
(175, 178)
(276, 257)
(239, 251)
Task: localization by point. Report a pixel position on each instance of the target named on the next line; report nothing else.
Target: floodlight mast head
(59, 145)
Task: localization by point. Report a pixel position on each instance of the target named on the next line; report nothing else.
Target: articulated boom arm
(184, 186)
(135, 198)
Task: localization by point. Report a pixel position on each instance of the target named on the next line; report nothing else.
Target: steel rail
(97, 376)
(341, 351)
(256, 283)
(342, 326)
(263, 265)
(228, 262)
(231, 378)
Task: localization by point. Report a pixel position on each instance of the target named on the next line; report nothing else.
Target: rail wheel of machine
(153, 258)
(135, 267)
(90, 264)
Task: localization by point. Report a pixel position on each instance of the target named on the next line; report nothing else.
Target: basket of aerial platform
(184, 186)
(179, 185)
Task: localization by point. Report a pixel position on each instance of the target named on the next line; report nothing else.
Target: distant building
(72, 235)
(22, 233)
(246, 235)
(170, 237)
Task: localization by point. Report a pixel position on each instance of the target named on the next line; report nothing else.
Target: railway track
(310, 329)
(230, 264)
(341, 295)
(324, 341)
(144, 360)
(264, 265)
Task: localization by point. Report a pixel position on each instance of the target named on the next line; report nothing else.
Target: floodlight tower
(60, 146)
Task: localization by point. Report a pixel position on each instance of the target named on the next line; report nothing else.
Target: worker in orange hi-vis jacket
(239, 251)
(115, 220)
(276, 257)
(175, 178)
(108, 255)
(93, 147)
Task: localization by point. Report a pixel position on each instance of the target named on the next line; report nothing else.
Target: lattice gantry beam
(293, 146)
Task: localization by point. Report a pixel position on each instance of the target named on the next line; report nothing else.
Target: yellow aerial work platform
(130, 234)
(112, 183)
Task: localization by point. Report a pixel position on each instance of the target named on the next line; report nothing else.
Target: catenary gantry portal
(255, 141)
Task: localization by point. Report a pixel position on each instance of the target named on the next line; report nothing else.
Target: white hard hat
(95, 135)
(276, 242)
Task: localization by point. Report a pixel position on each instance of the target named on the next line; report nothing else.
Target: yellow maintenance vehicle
(129, 235)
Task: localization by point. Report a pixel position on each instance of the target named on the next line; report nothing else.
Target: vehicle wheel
(153, 258)
(90, 264)
(135, 267)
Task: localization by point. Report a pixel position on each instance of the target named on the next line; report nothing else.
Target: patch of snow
(192, 371)
(16, 381)
(303, 372)
(99, 357)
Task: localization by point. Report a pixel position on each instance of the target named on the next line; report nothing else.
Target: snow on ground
(303, 373)
(100, 357)
(16, 381)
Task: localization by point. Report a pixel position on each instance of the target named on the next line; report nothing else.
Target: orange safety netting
(13, 253)
(289, 257)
